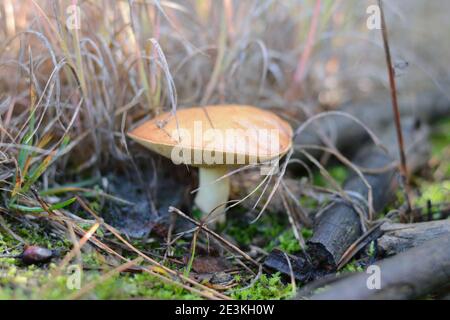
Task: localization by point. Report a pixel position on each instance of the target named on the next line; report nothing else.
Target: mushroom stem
(212, 194)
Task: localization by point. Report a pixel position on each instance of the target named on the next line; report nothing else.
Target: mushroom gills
(213, 192)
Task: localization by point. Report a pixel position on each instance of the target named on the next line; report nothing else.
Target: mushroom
(216, 139)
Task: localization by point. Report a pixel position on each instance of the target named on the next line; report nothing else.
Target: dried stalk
(398, 126)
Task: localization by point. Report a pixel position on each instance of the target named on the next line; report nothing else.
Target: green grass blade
(56, 206)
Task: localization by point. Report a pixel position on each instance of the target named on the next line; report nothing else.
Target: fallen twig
(399, 237)
(408, 275)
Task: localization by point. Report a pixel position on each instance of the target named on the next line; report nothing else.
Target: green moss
(266, 228)
(440, 137)
(197, 214)
(337, 172)
(270, 231)
(308, 202)
(142, 285)
(18, 281)
(36, 236)
(353, 267)
(434, 192)
(438, 190)
(91, 260)
(440, 141)
(267, 287)
(287, 241)
(26, 283)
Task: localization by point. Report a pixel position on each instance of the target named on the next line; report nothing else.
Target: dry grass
(67, 97)
(130, 62)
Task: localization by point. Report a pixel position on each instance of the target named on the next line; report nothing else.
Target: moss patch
(267, 287)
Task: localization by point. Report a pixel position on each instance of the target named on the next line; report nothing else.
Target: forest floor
(46, 281)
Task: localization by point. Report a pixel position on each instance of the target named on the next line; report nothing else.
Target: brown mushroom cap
(161, 135)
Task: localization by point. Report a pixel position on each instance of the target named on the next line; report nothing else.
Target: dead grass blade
(398, 125)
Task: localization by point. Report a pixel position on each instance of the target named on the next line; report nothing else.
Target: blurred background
(100, 66)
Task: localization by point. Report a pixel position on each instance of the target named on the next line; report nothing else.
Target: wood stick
(408, 275)
(340, 225)
(399, 237)
(302, 269)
